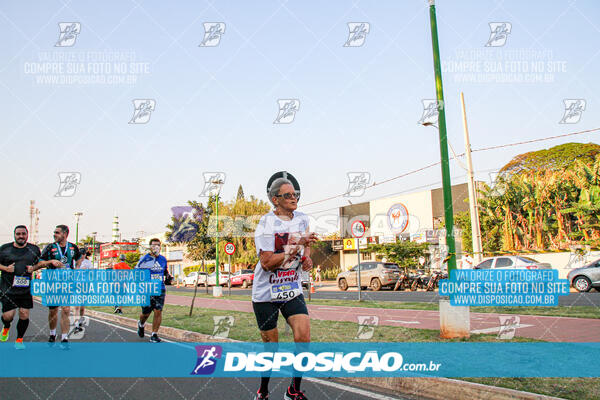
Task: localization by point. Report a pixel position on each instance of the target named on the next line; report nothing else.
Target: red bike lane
(552, 329)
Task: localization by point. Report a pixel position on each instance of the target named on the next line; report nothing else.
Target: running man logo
(68, 183)
(573, 110)
(366, 326)
(508, 326)
(212, 183)
(499, 32)
(212, 34)
(77, 327)
(358, 33)
(223, 323)
(207, 359)
(431, 112)
(142, 109)
(357, 183)
(68, 34)
(287, 111)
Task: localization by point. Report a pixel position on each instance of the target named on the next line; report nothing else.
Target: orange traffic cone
(312, 288)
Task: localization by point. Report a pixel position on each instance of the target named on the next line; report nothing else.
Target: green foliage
(404, 253)
(132, 258)
(544, 208)
(557, 158)
(240, 193)
(463, 221)
(89, 240)
(209, 267)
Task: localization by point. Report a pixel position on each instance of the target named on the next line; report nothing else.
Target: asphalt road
(591, 298)
(149, 388)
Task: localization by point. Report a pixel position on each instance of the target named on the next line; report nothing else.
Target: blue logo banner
(93, 287)
(510, 287)
(310, 359)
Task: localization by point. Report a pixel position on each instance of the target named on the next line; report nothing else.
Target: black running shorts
(156, 303)
(12, 301)
(267, 313)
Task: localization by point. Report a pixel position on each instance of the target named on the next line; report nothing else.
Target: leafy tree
(404, 253)
(557, 158)
(240, 193)
(237, 223)
(132, 258)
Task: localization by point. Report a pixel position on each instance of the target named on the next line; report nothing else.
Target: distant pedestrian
(318, 277)
(120, 265)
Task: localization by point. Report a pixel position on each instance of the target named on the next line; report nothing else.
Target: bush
(210, 268)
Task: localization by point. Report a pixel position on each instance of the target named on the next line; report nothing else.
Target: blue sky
(215, 106)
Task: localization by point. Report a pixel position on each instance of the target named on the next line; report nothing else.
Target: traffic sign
(230, 248)
(358, 229)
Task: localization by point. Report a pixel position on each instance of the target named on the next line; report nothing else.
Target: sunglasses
(288, 196)
(57, 232)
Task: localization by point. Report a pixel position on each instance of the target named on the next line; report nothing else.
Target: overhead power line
(414, 171)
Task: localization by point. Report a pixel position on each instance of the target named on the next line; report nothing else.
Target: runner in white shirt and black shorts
(85, 264)
(282, 241)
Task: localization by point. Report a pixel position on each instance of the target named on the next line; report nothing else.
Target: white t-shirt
(86, 264)
(278, 235)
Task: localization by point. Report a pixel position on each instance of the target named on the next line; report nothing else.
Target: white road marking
(402, 322)
(351, 389)
(497, 329)
(335, 385)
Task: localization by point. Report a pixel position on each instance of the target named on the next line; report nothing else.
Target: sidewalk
(552, 329)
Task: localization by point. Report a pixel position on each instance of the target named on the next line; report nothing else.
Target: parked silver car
(511, 262)
(586, 277)
(372, 274)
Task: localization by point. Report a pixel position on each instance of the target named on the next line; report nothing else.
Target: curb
(440, 389)
(430, 388)
(173, 333)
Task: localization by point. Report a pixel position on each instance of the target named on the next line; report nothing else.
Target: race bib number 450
(285, 291)
(21, 281)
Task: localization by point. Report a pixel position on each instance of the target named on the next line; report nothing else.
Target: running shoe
(19, 345)
(4, 334)
(261, 396)
(52, 339)
(64, 344)
(155, 339)
(294, 396)
(140, 330)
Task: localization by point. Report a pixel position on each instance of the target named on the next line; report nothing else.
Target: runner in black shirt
(69, 256)
(16, 263)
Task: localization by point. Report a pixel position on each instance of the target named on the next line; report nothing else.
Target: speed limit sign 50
(230, 248)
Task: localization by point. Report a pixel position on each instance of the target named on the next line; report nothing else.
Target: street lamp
(217, 290)
(93, 246)
(77, 215)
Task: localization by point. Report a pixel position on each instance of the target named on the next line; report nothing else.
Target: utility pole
(446, 183)
(454, 320)
(473, 206)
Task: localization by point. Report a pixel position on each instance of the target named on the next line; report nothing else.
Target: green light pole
(218, 183)
(217, 243)
(446, 184)
(93, 246)
(77, 215)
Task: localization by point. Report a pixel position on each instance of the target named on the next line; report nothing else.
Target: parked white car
(223, 279)
(511, 262)
(192, 277)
